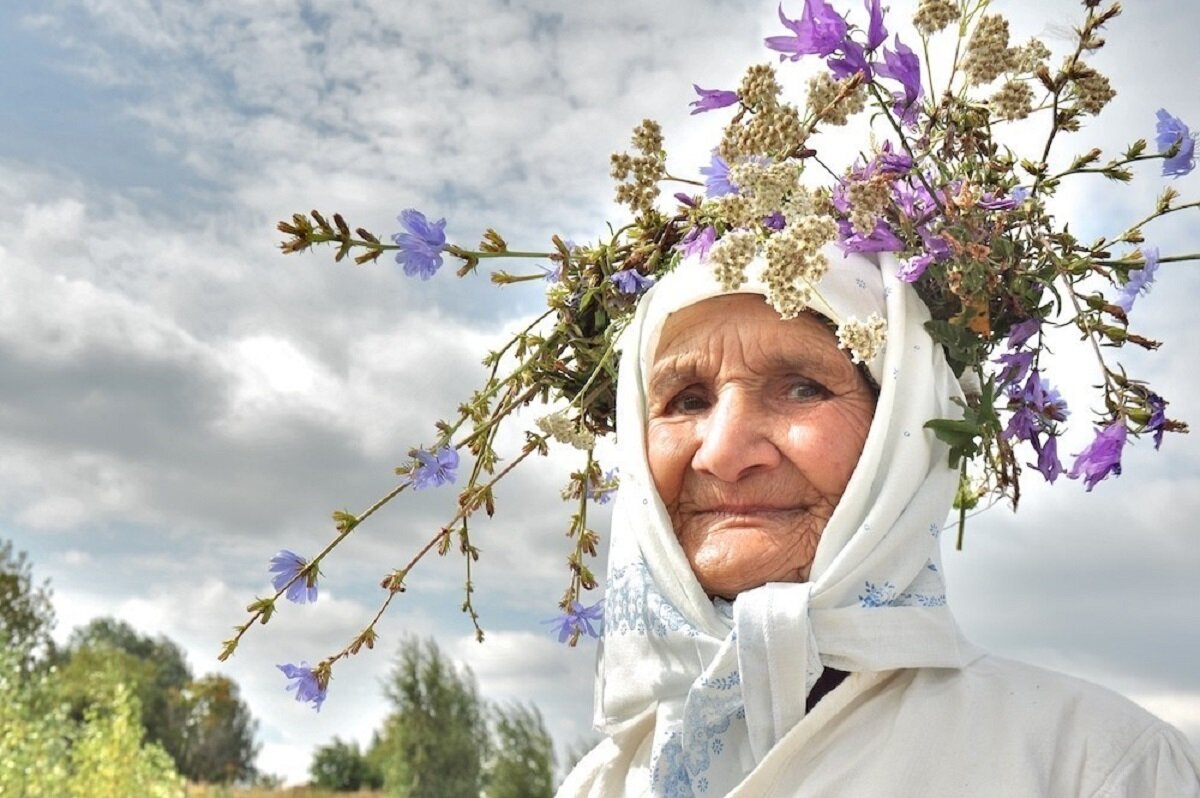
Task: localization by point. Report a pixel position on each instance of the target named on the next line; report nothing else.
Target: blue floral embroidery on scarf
(668, 776)
(877, 595)
(918, 600)
(633, 606)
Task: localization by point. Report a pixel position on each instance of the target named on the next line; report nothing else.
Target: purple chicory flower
(819, 31)
(716, 178)
(876, 32)
(1172, 130)
(307, 685)
(1102, 456)
(903, 65)
(1139, 280)
(631, 281)
(698, 242)
(435, 469)
(686, 199)
(579, 619)
(712, 99)
(776, 221)
(286, 565)
(421, 245)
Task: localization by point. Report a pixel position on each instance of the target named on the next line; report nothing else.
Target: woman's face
(755, 426)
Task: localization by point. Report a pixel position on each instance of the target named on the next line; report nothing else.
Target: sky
(178, 401)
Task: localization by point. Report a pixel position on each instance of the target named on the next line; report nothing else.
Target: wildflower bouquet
(968, 218)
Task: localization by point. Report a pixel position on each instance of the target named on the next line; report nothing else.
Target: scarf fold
(727, 682)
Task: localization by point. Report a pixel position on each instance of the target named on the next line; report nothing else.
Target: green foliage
(342, 767)
(46, 754)
(213, 731)
(434, 743)
(26, 614)
(201, 723)
(109, 759)
(523, 764)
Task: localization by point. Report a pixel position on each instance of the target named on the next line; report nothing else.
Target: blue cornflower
(1102, 456)
(286, 565)
(716, 178)
(307, 685)
(421, 246)
(631, 281)
(1139, 280)
(1022, 331)
(1172, 131)
(712, 99)
(578, 621)
(436, 468)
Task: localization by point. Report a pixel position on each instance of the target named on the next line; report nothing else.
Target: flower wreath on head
(966, 216)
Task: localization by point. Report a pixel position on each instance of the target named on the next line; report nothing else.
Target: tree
(435, 741)
(342, 767)
(155, 669)
(26, 614)
(523, 764)
(202, 723)
(214, 731)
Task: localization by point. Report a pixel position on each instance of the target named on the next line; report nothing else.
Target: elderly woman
(776, 620)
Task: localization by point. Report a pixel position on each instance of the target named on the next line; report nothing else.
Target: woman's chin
(735, 559)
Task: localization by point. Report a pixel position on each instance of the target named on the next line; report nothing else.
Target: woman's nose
(735, 439)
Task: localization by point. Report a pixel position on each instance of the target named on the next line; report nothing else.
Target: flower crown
(967, 217)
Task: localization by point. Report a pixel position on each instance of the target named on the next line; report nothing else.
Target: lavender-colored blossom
(686, 199)
(631, 281)
(712, 99)
(1047, 463)
(286, 565)
(852, 61)
(775, 221)
(1102, 456)
(551, 274)
(422, 244)
(881, 239)
(912, 269)
(579, 619)
(1015, 366)
(1172, 131)
(876, 32)
(819, 31)
(716, 178)
(435, 469)
(1022, 331)
(698, 242)
(1139, 280)
(903, 65)
(305, 684)
(889, 162)
(993, 202)
(1158, 418)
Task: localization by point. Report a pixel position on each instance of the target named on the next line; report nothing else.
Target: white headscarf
(726, 682)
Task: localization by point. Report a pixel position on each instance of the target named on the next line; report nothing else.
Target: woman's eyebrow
(667, 375)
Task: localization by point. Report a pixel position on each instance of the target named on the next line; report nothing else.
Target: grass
(214, 791)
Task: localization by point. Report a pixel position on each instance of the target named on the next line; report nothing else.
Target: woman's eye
(687, 403)
(805, 390)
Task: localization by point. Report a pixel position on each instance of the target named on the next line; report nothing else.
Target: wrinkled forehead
(852, 288)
